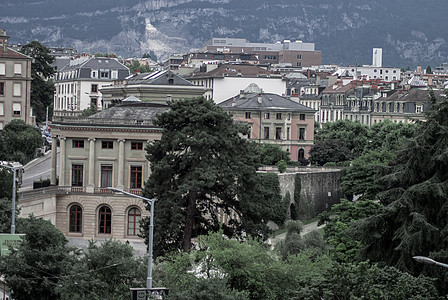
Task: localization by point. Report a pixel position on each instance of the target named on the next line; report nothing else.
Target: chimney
(260, 98)
(419, 69)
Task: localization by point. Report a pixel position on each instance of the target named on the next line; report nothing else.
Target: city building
(296, 54)
(78, 84)
(274, 119)
(156, 87)
(96, 152)
(15, 84)
(228, 80)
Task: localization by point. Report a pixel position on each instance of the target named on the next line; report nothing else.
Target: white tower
(377, 58)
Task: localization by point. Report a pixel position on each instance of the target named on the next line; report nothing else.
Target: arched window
(75, 219)
(134, 216)
(105, 220)
(301, 154)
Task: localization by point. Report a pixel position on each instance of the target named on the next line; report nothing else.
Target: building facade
(78, 84)
(274, 119)
(15, 84)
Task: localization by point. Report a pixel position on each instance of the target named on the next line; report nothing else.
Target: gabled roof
(96, 63)
(269, 102)
(339, 88)
(9, 53)
(132, 112)
(158, 78)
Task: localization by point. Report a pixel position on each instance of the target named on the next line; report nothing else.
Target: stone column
(91, 179)
(120, 183)
(62, 161)
(54, 154)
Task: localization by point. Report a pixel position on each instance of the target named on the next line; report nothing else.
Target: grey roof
(158, 78)
(268, 102)
(97, 63)
(133, 111)
(131, 98)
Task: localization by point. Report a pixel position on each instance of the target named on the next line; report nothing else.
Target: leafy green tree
(428, 70)
(268, 188)
(282, 166)
(331, 150)
(89, 111)
(35, 268)
(105, 271)
(42, 87)
(416, 220)
(389, 135)
(271, 154)
(200, 167)
(136, 67)
(19, 142)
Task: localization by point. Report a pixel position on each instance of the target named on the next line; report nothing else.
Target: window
(301, 133)
(17, 90)
(301, 154)
(266, 133)
(247, 115)
(106, 176)
(418, 109)
(278, 116)
(2, 109)
(302, 117)
(299, 56)
(17, 69)
(136, 146)
(266, 116)
(2, 88)
(75, 219)
(105, 220)
(94, 88)
(287, 133)
(107, 144)
(134, 216)
(136, 177)
(278, 133)
(77, 173)
(2, 69)
(104, 73)
(78, 144)
(16, 109)
(299, 63)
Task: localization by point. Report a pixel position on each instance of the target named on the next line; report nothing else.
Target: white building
(78, 84)
(377, 57)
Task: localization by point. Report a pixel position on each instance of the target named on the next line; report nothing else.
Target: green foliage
(344, 246)
(89, 111)
(329, 150)
(271, 154)
(268, 186)
(282, 166)
(416, 220)
(363, 176)
(136, 67)
(111, 55)
(42, 88)
(428, 70)
(34, 269)
(192, 166)
(19, 142)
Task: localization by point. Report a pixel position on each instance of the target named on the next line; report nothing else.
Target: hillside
(344, 30)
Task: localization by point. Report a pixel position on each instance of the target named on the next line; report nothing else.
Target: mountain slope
(410, 32)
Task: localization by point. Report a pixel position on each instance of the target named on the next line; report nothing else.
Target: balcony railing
(55, 190)
(84, 120)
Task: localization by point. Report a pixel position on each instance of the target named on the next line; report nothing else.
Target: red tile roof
(9, 53)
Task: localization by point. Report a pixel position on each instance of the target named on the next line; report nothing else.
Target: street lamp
(15, 166)
(151, 232)
(430, 261)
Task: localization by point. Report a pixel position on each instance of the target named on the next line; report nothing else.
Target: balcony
(60, 190)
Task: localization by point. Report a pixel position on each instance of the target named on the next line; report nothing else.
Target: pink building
(274, 119)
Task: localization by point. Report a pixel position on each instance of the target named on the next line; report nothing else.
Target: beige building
(155, 87)
(15, 84)
(97, 152)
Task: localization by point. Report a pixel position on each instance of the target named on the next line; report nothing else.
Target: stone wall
(320, 189)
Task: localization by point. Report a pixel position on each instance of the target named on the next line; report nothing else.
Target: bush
(281, 165)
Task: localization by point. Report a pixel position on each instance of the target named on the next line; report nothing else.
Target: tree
(35, 268)
(428, 70)
(416, 220)
(89, 111)
(200, 167)
(330, 150)
(42, 88)
(136, 67)
(19, 142)
(271, 154)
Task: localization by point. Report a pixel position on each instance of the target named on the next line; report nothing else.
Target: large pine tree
(200, 166)
(416, 220)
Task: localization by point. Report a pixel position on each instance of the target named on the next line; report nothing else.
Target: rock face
(410, 32)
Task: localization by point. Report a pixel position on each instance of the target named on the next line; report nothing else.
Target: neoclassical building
(104, 150)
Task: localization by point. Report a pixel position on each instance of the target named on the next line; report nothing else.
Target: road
(36, 170)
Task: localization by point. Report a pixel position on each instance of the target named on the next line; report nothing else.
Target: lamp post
(430, 261)
(151, 232)
(15, 166)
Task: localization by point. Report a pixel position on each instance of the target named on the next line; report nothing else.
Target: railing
(53, 190)
(84, 120)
